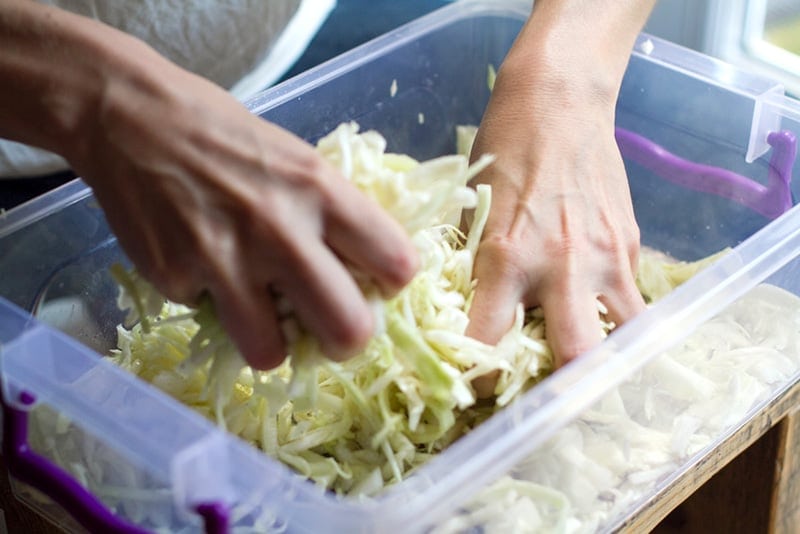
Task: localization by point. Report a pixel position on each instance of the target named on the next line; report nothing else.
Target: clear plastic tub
(146, 462)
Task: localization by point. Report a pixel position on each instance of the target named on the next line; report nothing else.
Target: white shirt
(242, 45)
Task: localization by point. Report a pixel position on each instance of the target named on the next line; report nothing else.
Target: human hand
(207, 198)
(561, 233)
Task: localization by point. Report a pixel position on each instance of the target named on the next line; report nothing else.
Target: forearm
(572, 47)
(57, 72)
(557, 87)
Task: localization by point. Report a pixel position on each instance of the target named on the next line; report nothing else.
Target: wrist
(546, 82)
(118, 73)
(572, 50)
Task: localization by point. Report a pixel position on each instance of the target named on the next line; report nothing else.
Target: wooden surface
(735, 500)
(785, 503)
(754, 487)
(750, 484)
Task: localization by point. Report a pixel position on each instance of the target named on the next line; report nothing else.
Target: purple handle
(47, 477)
(216, 516)
(771, 200)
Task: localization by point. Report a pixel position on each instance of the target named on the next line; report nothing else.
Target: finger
(328, 302)
(572, 324)
(624, 303)
(494, 304)
(367, 237)
(250, 318)
(491, 314)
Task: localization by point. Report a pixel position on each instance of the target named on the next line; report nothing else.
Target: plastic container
(172, 470)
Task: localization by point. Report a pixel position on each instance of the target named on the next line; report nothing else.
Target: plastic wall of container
(142, 455)
(613, 461)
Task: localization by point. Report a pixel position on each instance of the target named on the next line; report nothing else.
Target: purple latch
(771, 200)
(39, 472)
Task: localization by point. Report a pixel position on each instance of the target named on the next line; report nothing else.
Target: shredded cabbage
(357, 426)
(664, 419)
(354, 427)
(659, 274)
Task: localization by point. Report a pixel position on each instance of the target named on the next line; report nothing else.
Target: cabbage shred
(356, 426)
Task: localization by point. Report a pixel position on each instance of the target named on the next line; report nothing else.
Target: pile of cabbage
(356, 426)
(659, 423)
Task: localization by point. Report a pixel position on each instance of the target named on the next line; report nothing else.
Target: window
(761, 35)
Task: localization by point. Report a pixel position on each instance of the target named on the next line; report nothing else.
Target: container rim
(514, 432)
(458, 10)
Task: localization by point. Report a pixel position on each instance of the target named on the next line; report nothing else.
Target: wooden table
(750, 484)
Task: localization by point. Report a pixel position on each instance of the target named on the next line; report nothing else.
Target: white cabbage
(357, 426)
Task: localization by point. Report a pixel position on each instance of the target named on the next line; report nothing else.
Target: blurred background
(761, 36)
(758, 35)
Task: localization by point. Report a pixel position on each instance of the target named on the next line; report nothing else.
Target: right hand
(207, 198)
(561, 234)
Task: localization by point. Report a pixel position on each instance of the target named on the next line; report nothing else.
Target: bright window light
(762, 35)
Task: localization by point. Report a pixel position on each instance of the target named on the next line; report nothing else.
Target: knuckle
(185, 273)
(501, 257)
(312, 172)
